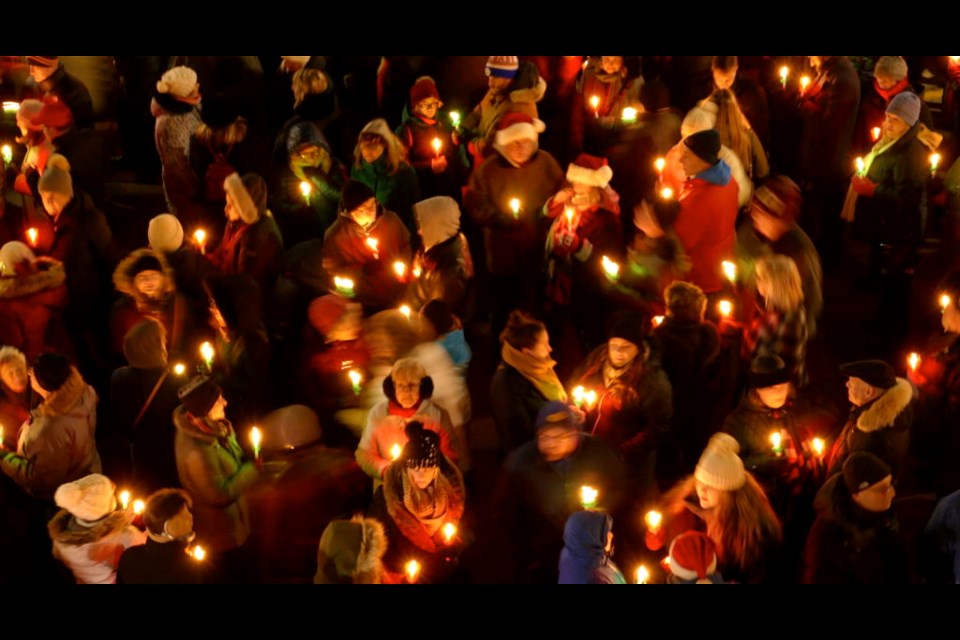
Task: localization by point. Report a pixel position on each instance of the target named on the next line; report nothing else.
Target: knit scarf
(428, 505)
(888, 94)
(539, 371)
(395, 409)
(850, 203)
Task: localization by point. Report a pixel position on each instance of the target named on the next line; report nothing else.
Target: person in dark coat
(587, 545)
(444, 260)
(51, 79)
(541, 488)
(881, 415)
(168, 556)
(190, 268)
(855, 539)
(890, 79)
(379, 161)
(82, 148)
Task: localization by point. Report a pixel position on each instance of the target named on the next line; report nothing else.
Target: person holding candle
(351, 552)
(856, 538)
(57, 444)
(15, 402)
(587, 550)
(38, 148)
(434, 150)
(614, 83)
(380, 162)
(80, 146)
(725, 501)
(890, 78)
(212, 467)
(175, 105)
(89, 533)
(32, 298)
(190, 268)
(50, 78)
(421, 492)
(446, 266)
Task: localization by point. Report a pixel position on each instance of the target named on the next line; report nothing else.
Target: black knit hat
(218, 111)
(51, 370)
(767, 371)
(438, 314)
(199, 395)
(146, 262)
(422, 448)
(876, 373)
(354, 194)
(705, 145)
(630, 327)
(862, 470)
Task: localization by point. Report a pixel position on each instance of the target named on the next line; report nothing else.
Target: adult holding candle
(614, 83)
(346, 252)
(890, 78)
(14, 398)
(165, 236)
(38, 148)
(32, 299)
(587, 550)
(521, 171)
(175, 105)
(50, 78)
(446, 266)
(379, 161)
(750, 95)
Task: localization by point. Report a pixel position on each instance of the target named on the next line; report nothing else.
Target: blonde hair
(395, 150)
(233, 133)
(12, 354)
(308, 82)
(785, 290)
(733, 127)
(408, 369)
(739, 525)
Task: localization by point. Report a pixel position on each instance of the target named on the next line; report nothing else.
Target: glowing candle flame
(569, 214)
(10, 107)
(7, 152)
(395, 452)
(875, 133)
(372, 243)
(595, 102)
(412, 569)
(611, 268)
(653, 519)
(200, 236)
(139, 506)
(660, 164)
(729, 270)
(804, 83)
(588, 496)
(515, 206)
(776, 441)
(343, 285)
(32, 235)
(666, 193)
(953, 59)
(400, 268)
(643, 575)
(305, 189)
(256, 437)
(179, 369)
(657, 321)
(355, 379)
(124, 499)
(819, 447)
(784, 72)
(198, 553)
(590, 399)
(913, 361)
(455, 118)
(934, 161)
(207, 353)
(405, 310)
(944, 301)
(449, 532)
(437, 145)
(629, 114)
(861, 165)
(579, 394)
(726, 308)
(417, 271)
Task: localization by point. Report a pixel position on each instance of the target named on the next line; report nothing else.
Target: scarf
(888, 94)
(429, 505)
(849, 210)
(394, 409)
(539, 371)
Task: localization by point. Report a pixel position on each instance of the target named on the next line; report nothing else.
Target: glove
(863, 186)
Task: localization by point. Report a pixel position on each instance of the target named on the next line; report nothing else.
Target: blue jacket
(583, 559)
(944, 530)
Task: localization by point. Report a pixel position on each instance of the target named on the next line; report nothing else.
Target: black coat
(73, 93)
(159, 563)
(829, 112)
(84, 243)
(447, 274)
(515, 403)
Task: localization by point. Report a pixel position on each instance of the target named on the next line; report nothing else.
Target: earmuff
(426, 388)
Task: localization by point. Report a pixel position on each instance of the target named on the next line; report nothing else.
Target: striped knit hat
(502, 66)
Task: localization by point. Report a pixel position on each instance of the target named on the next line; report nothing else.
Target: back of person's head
(527, 76)
(685, 302)
(165, 516)
(733, 126)
(784, 288)
(438, 314)
(780, 197)
(306, 82)
(522, 330)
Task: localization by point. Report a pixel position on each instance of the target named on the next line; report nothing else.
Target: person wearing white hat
(176, 107)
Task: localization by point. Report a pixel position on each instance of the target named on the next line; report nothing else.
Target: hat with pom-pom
(56, 176)
(422, 448)
(165, 233)
(88, 499)
(693, 556)
(719, 466)
(179, 82)
(590, 170)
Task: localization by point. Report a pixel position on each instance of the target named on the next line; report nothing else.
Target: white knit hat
(12, 254)
(720, 467)
(165, 233)
(179, 82)
(89, 499)
(698, 119)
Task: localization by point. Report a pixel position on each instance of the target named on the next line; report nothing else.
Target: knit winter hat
(894, 67)
(705, 145)
(51, 370)
(144, 345)
(697, 119)
(54, 113)
(146, 262)
(905, 106)
(56, 177)
(179, 82)
(780, 197)
(218, 111)
(248, 194)
(43, 61)
(422, 448)
(767, 371)
(693, 556)
(720, 467)
(630, 327)
(502, 66)
(862, 470)
(518, 126)
(28, 111)
(88, 499)
(422, 89)
(164, 233)
(438, 219)
(876, 373)
(305, 133)
(325, 312)
(354, 194)
(12, 254)
(199, 395)
(556, 414)
(590, 170)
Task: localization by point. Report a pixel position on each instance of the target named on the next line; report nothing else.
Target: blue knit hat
(556, 414)
(905, 106)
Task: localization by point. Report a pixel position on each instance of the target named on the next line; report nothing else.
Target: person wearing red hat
(613, 83)
(83, 148)
(50, 78)
(505, 196)
(692, 560)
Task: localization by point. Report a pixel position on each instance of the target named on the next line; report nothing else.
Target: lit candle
(355, 379)
(10, 107)
(515, 207)
(579, 394)
(629, 115)
(944, 301)
(953, 59)
(139, 506)
(657, 321)
(1, 437)
(819, 447)
(725, 307)
(653, 519)
(449, 532)
(200, 237)
(179, 369)
(784, 72)
(256, 437)
(588, 496)
(124, 499)
(207, 353)
(437, 145)
(32, 235)
(7, 152)
(197, 553)
(412, 570)
(804, 83)
(568, 212)
(417, 271)
(455, 118)
(405, 310)
(595, 104)
(729, 270)
(400, 268)
(913, 361)
(305, 190)
(611, 268)
(934, 163)
(861, 166)
(642, 575)
(660, 164)
(372, 243)
(875, 133)
(776, 442)
(395, 452)
(590, 399)
(666, 193)
(344, 286)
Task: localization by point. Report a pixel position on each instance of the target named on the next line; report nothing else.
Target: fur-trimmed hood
(123, 281)
(48, 275)
(59, 530)
(66, 399)
(351, 551)
(533, 94)
(883, 412)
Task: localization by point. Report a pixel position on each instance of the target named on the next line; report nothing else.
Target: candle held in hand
(412, 569)
(653, 520)
(776, 442)
(455, 118)
(588, 496)
(913, 361)
(875, 133)
(256, 437)
(139, 506)
(449, 532)
(124, 499)
(819, 447)
(32, 236)
(179, 369)
(657, 321)
(725, 307)
(355, 379)
(861, 165)
(207, 353)
(400, 268)
(729, 270)
(629, 115)
(660, 164)
(7, 152)
(305, 190)
(200, 237)
(372, 243)
(437, 145)
(804, 83)
(643, 575)
(666, 193)
(784, 72)
(944, 301)
(405, 310)
(610, 268)
(515, 207)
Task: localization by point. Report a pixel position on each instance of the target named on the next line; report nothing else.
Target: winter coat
(93, 553)
(190, 269)
(339, 561)
(303, 218)
(706, 223)
(513, 244)
(29, 303)
(673, 175)
(213, 470)
(385, 428)
(446, 273)
(873, 110)
(73, 93)
(584, 559)
(449, 392)
(175, 123)
(481, 123)
(829, 113)
(396, 192)
(253, 249)
(83, 149)
(159, 563)
(418, 134)
(57, 445)
(775, 333)
(850, 545)
(881, 427)
(942, 535)
(515, 402)
(346, 254)
(935, 439)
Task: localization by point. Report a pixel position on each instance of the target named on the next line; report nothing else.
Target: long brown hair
(733, 127)
(220, 139)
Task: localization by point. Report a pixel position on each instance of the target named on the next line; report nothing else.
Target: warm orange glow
(305, 189)
(819, 447)
(653, 519)
(124, 499)
(179, 369)
(256, 437)
(729, 270)
(784, 72)
(32, 235)
(412, 569)
(666, 193)
(395, 452)
(569, 214)
(355, 377)
(515, 206)
(804, 83)
(657, 321)
(139, 506)
(861, 165)
(588, 496)
(449, 532)
(913, 361)
(660, 164)
(400, 268)
(344, 285)
(726, 308)
(643, 575)
(875, 133)
(578, 394)
(934, 161)
(611, 268)
(200, 236)
(405, 310)
(198, 553)
(207, 352)
(372, 243)
(945, 301)
(437, 145)
(595, 102)
(776, 440)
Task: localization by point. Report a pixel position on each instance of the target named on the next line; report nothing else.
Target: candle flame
(653, 520)
(417, 271)
(729, 270)
(569, 213)
(400, 268)
(372, 243)
(455, 118)
(7, 152)
(642, 575)
(395, 452)
(590, 399)
(355, 377)
(657, 321)
(198, 553)
(776, 439)
(405, 310)
(934, 161)
(629, 114)
(179, 369)
(784, 72)
(819, 447)
(305, 188)
(944, 301)
(611, 268)
(588, 496)
(660, 164)
(804, 83)
(139, 506)
(412, 570)
(861, 165)
(206, 352)
(124, 499)
(913, 360)
(954, 59)
(515, 205)
(256, 437)
(200, 236)
(579, 394)
(10, 106)
(449, 532)
(875, 133)
(726, 308)
(594, 101)
(32, 235)
(436, 144)
(666, 193)
(342, 283)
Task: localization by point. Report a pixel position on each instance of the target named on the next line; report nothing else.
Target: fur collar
(124, 282)
(533, 94)
(885, 409)
(183, 423)
(49, 274)
(372, 548)
(63, 400)
(113, 523)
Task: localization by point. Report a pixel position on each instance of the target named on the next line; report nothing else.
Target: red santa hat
(518, 126)
(693, 556)
(590, 170)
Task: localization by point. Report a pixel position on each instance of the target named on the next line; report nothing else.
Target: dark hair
(163, 505)
(527, 77)
(685, 301)
(724, 63)
(437, 313)
(522, 330)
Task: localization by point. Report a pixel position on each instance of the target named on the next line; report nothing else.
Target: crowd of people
(390, 323)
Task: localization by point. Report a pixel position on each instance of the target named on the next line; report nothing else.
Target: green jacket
(397, 192)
